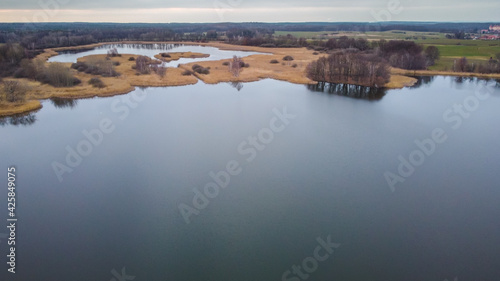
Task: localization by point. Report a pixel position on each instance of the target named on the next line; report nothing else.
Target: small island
(168, 57)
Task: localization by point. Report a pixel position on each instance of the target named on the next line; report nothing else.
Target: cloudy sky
(247, 10)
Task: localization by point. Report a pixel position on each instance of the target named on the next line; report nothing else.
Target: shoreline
(260, 68)
(23, 108)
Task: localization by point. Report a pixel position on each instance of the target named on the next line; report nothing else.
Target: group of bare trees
(145, 65)
(402, 54)
(490, 67)
(55, 74)
(350, 67)
(96, 66)
(13, 91)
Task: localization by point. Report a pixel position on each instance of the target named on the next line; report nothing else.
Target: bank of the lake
(259, 68)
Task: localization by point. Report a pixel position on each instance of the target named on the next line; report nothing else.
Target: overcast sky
(247, 10)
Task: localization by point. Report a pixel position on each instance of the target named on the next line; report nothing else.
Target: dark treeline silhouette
(49, 35)
(350, 66)
(222, 27)
(349, 90)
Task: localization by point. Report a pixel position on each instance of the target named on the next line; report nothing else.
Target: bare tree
(235, 66)
(15, 91)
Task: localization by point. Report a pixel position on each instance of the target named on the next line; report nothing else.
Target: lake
(289, 182)
(151, 50)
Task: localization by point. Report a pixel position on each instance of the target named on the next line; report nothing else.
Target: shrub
(274, 61)
(187, 73)
(104, 68)
(14, 91)
(142, 65)
(226, 63)
(294, 65)
(116, 63)
(165, 55)
(58, 75)
(131, 59)
(159, 70)
(315, 53)
(97, 82)
(288, 58)
(200, 69)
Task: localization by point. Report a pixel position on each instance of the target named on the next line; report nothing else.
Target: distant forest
(359, 60)
(49, 35)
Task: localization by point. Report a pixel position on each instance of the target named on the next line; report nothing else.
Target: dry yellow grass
(180, 55)
(400, 81)
(128, 75)
(12, 109)
(261, 68)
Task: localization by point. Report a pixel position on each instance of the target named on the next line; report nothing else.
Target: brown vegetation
(97, 66)
(13, 91)
(168, 57)
(96, 82)
(351, 68)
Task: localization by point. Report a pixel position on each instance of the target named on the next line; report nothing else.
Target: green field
(389, 35)
(465, 48)
(476, 51)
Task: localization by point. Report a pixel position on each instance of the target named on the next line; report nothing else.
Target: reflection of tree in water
(236, 85)
(64, 103)
(461, 80)
(422, 80)
(19, 119)
(348, 90)
(164, 47)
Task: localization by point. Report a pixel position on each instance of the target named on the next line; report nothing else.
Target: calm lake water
(317, 174)
(151, 50)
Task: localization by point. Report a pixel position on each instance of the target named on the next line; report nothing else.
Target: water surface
(323, 175)
(151, 50)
